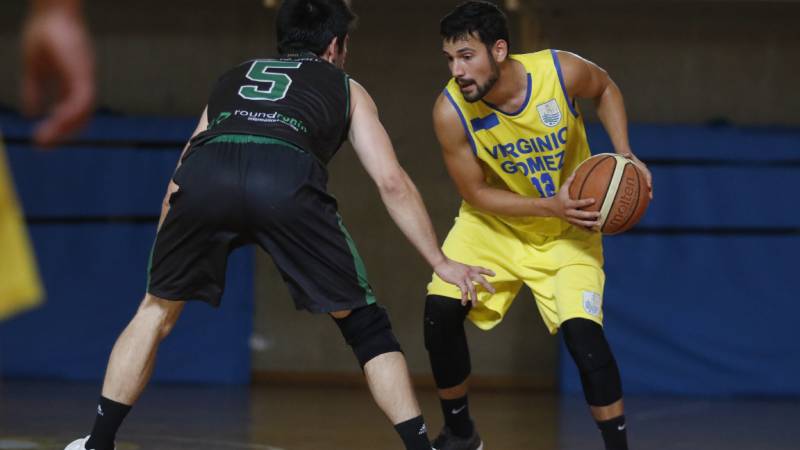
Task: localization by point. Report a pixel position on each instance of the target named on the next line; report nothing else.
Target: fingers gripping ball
(618, 187)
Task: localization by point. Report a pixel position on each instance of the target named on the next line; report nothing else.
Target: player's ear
(500, 50)
(333, 47)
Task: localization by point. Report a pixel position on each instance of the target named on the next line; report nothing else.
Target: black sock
(614, 433)
(110, 415)
(456, 416)
(414, 434)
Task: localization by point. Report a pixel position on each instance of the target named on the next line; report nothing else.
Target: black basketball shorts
(233, 192)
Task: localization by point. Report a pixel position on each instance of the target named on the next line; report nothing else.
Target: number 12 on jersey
(280, 82)
(546, 187)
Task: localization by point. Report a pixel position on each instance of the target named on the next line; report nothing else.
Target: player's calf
(446, 342)
(369, 333)
(602, 385)
(158, 314)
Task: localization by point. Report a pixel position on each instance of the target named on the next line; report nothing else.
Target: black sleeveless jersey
(302, 100)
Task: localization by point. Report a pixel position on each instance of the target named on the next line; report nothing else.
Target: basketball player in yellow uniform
(512, 136)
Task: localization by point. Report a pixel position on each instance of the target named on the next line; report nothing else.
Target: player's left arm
(585, 79)
(400, 196)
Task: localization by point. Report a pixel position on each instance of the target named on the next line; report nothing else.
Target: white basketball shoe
(79, 444)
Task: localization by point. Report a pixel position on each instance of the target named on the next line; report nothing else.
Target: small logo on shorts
(592, 302)
(423, 429)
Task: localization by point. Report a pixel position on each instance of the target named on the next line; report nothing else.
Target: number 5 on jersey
(280, 82)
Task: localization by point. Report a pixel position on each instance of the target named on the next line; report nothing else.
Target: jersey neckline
(528, 94)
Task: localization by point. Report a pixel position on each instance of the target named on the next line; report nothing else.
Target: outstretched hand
(58, 62)
(465, 277)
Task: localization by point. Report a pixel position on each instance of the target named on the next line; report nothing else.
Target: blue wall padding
(95, 276)
(95, 273)
(91, 181)
(115, 128)
(686, 313)
(707, 314)
(701, 315)
(742, 195)
(692, 196)
(704, 142)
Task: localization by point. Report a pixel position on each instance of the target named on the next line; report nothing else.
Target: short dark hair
(484, 19)
(309, 25)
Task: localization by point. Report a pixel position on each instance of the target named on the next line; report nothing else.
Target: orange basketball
(618, 187)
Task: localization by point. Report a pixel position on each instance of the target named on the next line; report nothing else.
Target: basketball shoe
(449, 441)
(79, 444)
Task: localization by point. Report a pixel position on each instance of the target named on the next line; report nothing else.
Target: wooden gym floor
(47, 415)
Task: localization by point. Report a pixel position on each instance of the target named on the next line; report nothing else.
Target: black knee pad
(598, 369)
(446, 340)
(368, 331)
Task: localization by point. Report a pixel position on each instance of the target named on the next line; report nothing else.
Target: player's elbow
(472, 195)
(393, 183)
(605, 83)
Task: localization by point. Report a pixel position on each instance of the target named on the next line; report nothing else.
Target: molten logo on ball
(624, 203)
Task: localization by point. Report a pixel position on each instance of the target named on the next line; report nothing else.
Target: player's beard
(483, 89)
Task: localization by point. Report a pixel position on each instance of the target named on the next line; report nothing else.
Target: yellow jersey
(530, 151)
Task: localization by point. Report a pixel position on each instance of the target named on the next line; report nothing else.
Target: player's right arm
(400, 195)
(467, 173)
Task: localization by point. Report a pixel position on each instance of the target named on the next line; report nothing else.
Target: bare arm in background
(58, 67)
(584, 79)
(401, 197)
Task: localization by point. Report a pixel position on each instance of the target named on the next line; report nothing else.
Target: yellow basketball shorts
(564, 272)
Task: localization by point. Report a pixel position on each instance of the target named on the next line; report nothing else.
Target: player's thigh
(579, 292)
(482, 243)
(316, 255)
(573, 291)
(560, 270)
(199, 229)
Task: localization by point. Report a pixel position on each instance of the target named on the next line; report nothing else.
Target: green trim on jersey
(150, 263)
(250, 139)
(361, 269)
(347, 105)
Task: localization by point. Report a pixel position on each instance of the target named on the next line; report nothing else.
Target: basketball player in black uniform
(255, 172)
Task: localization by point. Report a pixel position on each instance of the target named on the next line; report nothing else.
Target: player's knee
(368, 332)
(598, 369)
(587, 344)
(446, 340)
(158, 315)
(444, 323)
